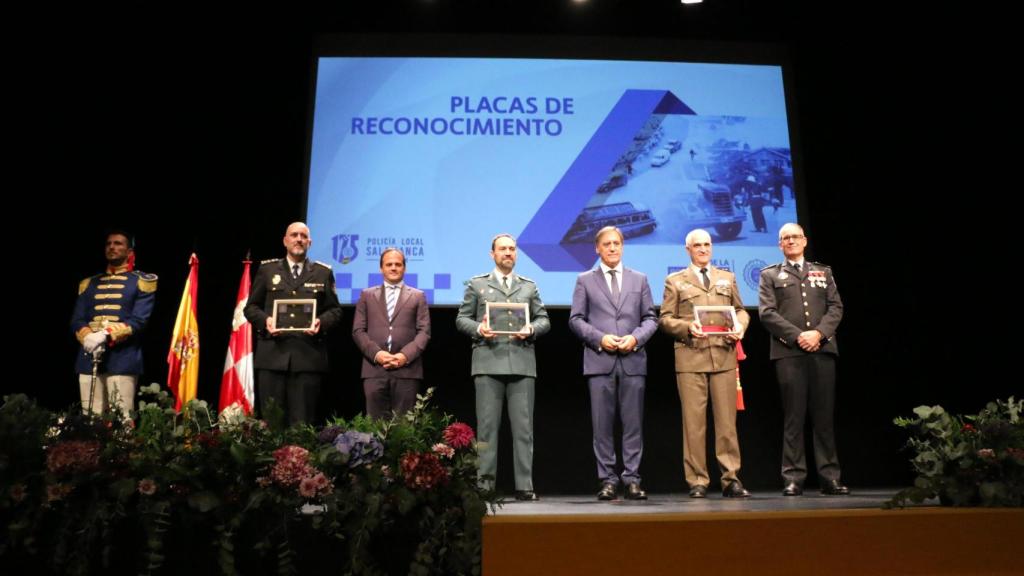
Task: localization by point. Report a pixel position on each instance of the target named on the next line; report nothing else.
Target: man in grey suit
(801, 308)
(391, 329)
(504, 365)
(613, 314)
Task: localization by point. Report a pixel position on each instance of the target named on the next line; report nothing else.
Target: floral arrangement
(974, 460)
(167, 492)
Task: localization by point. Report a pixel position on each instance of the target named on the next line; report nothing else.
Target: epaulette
(147, 282)
(776, 265)
(478, 276)
(269, 261)
(676, 273)
(84, 284)
(324, 264)
(820, 264)
(524, 278)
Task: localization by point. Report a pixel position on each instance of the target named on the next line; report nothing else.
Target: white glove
(91, 341)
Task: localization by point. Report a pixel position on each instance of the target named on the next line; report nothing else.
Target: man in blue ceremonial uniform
(504, 365)
(109, 317)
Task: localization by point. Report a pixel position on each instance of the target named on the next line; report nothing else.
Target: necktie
(797, 266)
(295, 270)
(615, 286)
(705, 279)
(504, 282)
(392, 298)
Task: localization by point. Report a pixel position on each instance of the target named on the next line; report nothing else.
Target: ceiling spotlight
(691, 1)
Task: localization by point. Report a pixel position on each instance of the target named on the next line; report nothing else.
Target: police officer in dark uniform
(109, 317)
(800, 307)
(290, 364)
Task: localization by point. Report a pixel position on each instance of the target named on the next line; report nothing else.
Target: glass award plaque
(507, 317)
(295, 315)
(717, 320)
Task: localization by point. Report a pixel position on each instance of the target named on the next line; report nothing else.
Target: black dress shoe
(527, 495)
(792, 489)
(608, 490)
(635, 492)
(735, 490)
(834, 488)
(699, 491)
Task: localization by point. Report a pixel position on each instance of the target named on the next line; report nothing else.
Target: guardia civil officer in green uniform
(504, 365)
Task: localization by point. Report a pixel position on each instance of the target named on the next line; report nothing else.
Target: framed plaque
(717, 320)
(295, 315)
(507, 317)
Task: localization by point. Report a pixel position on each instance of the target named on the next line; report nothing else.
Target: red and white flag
(236, 386)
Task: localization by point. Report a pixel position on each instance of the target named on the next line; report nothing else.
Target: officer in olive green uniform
(504, 365)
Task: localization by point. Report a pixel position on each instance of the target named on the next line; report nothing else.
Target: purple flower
(329, 434)
(361, 448)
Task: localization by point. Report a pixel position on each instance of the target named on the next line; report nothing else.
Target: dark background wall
(189, 127)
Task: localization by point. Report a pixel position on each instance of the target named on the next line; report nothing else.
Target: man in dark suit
(613, 314)
(705, 365)
(391, 329)
(290, 364)
(801, 308)
(504, 365)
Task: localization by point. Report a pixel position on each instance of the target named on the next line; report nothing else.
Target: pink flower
(147, 487)
(422, 470)
(55, 492)
(291, 465)
(986, 453)
(443, 450)
(312, 486)
(307, 487)
(458, 435)
(18, 492)
(967, 428)
(73, 456)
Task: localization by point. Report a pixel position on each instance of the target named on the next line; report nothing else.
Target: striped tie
(392, 298)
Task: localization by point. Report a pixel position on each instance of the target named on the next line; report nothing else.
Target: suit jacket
(409, 328)
(791, 302)
(502, 354)
(292, 351)
(593, 315)
(683, 291)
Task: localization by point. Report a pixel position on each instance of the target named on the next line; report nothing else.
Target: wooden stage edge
(917, 540)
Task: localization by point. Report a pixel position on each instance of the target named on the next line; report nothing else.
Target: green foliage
(165, 492)
(975, 460)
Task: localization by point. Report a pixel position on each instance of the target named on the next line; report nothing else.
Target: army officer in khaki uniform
(705, 364)
(504, 365)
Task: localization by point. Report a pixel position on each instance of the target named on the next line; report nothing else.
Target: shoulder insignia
(324, 264)
(676, 273)
(826, 266)
(147, 282)
(269, 261)
(525, 279)
(84, 285)
(771, 266)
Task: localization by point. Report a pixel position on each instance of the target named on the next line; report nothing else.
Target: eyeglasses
(793, 237)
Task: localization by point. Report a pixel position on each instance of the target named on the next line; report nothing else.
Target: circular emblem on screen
(752, 272)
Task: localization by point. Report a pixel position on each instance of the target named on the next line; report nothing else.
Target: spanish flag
(183, 357)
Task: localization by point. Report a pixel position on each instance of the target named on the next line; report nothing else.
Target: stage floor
(683, 504)
(767, 534)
